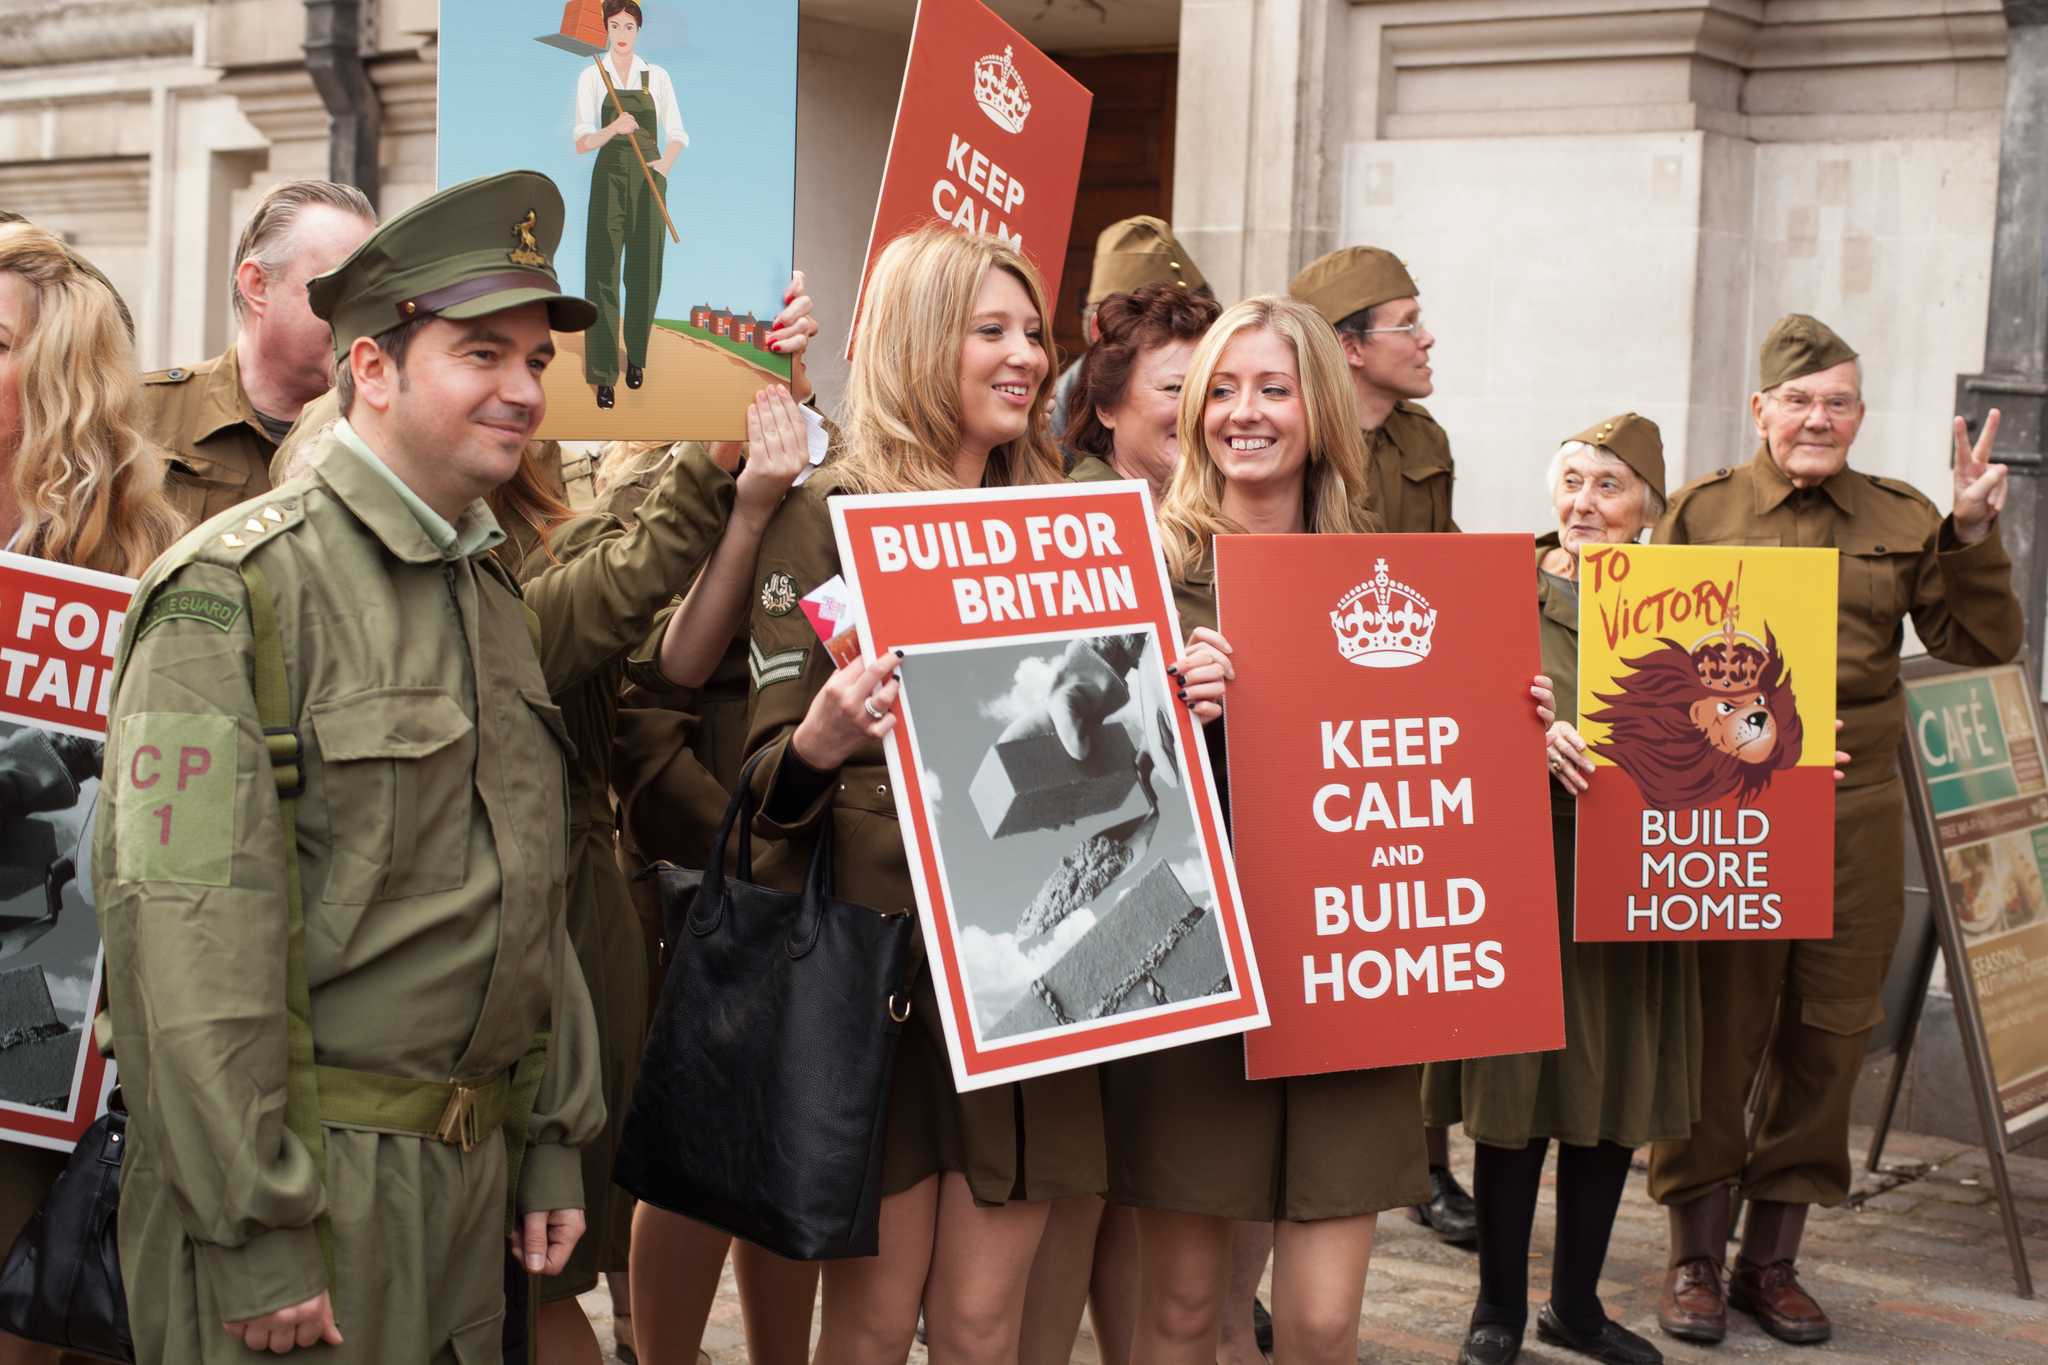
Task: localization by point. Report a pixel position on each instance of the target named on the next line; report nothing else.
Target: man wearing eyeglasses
(1899, 557)
(1369, 297)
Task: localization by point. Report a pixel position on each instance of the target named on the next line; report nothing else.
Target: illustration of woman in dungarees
(626, 223)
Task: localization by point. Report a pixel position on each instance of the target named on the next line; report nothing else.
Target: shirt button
(881, 789)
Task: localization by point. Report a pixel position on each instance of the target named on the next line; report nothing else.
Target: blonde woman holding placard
(1270, 445)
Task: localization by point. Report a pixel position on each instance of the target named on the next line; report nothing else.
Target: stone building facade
(1605, 201)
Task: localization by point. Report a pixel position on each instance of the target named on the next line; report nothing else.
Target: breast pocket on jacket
(1874, 576)
(397, 772)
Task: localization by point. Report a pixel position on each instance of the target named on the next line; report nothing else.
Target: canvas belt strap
(444, 1111)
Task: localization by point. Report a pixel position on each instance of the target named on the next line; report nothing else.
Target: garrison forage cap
(1352, 278)
(472, 249)
(1136, 252)
(1635, 441)
(1799, 345)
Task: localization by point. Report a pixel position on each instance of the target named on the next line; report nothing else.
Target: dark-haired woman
(1127, 425)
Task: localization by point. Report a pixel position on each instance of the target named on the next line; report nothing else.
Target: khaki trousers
(1823, 997)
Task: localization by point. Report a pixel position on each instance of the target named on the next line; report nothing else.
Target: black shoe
(634, 376)
(604, 396)
(1488, 1343)
(1612, 1343)
(1449, 1212)
(1262, 1327)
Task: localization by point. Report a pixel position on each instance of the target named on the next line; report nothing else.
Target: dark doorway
(1128, 168)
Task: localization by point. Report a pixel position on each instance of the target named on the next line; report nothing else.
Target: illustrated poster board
(59, 631)
(511, 76)
(989, 137)
(1982, 780)
(1055, 800)
(1388, 811)
(1977, 787)
(1707, 694)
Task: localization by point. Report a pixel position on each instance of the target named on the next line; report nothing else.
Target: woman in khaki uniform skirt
(1629, 1072)
(1269, 445)
(948, 388)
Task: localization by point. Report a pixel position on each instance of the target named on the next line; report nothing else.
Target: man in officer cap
(1369, 297)
(1900, 557)
(328, 704)
(1130, 254)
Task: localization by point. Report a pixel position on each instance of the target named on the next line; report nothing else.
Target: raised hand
(778, 449)
(1980, 484)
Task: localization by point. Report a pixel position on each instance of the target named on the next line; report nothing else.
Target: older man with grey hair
(219, 421)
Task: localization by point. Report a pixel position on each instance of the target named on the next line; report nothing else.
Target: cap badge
(778, 594)
(528, 251)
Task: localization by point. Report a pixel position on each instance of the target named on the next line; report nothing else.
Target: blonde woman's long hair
(1334, 495)
(903, 396)
(89, 490)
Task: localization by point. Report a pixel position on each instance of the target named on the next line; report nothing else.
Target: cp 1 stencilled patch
(173, 777)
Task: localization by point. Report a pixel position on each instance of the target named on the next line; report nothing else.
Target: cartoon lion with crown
(1691, 726)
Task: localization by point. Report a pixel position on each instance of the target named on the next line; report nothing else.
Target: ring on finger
(867, 704)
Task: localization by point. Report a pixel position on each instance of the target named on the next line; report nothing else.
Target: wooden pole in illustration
(660, 201)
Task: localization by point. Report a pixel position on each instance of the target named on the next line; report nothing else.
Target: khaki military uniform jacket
(432, 848)
(595, 589)
(1409, 471)
(1899, 557)
(219, 453)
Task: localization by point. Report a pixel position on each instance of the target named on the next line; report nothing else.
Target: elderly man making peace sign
(1899, 557)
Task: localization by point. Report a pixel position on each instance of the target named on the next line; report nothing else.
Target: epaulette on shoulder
(1899, 488)
(1683, 495)
(233, 535)
(177, 374)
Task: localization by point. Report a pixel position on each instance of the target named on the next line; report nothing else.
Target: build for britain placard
(1387, 803)
(1707, 694)
(60, 628)
(989, 137)
(1056, 804)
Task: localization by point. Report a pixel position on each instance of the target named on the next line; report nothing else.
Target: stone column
(2015, 377)
(1259, 137)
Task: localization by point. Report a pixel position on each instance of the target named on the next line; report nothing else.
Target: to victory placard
(1056, 803)
(1707, 695)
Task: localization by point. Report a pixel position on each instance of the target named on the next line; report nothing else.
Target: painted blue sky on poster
(508, 101)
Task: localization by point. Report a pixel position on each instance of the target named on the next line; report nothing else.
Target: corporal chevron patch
(764, 669)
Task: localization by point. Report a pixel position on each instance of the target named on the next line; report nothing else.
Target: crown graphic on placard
(1383, 623)
(1730, 660)
(999, 90)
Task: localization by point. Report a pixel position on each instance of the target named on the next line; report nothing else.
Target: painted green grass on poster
(777, 365)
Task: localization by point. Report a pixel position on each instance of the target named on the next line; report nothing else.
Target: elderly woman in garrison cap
(1629, 1070)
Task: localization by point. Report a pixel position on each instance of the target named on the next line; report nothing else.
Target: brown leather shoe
(1694, 1306)
(1772, 1295)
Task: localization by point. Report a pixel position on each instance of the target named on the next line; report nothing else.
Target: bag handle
(739, 811)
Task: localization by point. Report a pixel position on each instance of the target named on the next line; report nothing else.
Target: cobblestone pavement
(1912, 1269)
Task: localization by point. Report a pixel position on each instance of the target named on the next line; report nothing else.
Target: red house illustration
(744, 327)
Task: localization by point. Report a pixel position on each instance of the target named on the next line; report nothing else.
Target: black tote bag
(61, 1283)
(761, 1098)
